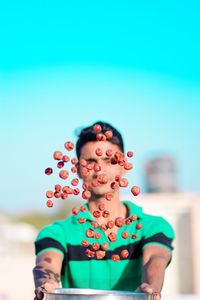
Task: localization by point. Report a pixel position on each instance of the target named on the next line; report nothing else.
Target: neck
(115, 207)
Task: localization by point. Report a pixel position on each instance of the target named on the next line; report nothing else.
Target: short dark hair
(88, 135)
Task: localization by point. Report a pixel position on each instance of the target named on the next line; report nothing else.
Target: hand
(46, 287)
(147, 288)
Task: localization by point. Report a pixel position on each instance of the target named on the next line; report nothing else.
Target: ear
(124, 172)
(78, 170)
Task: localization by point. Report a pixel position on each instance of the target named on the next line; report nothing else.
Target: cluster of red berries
(94, 249)
(97, 250)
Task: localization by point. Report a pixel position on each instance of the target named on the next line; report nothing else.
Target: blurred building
(160, 175)
(16, 259)
(181, 210)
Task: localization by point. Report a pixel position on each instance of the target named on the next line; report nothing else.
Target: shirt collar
(132, 208)
(86, 214)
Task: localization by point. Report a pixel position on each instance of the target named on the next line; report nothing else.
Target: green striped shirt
(80, 271)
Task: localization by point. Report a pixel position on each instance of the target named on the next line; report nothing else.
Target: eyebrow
(90, 159)
(95, 158)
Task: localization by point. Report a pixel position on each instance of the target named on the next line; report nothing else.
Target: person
(94, 250)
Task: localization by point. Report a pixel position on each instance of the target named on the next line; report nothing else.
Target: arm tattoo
(42, 275)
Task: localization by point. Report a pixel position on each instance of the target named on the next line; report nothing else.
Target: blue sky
(65, 65)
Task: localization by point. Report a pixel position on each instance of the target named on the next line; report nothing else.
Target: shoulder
(55, 229)
(53, 237)
(153, 224)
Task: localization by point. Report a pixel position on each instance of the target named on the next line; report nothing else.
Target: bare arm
(47, 272)
(155, 260)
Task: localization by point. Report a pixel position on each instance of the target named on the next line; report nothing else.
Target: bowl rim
(92, 292)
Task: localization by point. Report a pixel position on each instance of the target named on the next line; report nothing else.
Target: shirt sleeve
(158, 231)
(51, 237)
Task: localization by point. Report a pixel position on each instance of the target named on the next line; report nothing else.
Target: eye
(90, 161)
(107, 160)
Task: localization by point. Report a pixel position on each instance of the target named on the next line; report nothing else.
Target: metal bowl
(91, 294)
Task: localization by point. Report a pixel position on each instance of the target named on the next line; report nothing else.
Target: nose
(97, 168)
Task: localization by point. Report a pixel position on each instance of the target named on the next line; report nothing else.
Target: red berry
(108, 134)
(82, 208)
(112, 236)
(95, 224)
(100, 137)
(84, 172)
(135, 190)
(74, 169)
(89, 167)
(90, 253)
(113, 161)
(100, 254)
(49, 194)
(74, 211)
(74, 181)
(103, 227)
(86, 194)
(119, 156)
(108, 196)
(128, 221)
(98, 152)
(114, 185)
(76, 191)
(57, 194)
(97, 128)
(123, 182)
(109, 152)
(65, 158)
(49, 203)
(110, 224)
(117, 178)
(85, 243)
(96, 214)
(97, 168)
(121, 163)
(104, 246)
(95, 246)
(115, 257)
(48, 171)
(106, 214)
(125, 234)
(57, 188)
(60, 164)
(90, 233)
(64, 174)
(83, 162)
(69, 146)
(74, 161)
(134, 236)
(64, 196)
(124, 253)
(57, 155)
(133, 217)
(130, 153)
(86, 185)
(119, 222)
(128, 166)
(102, 179)
(97, 235)
(138, 226)
(82, 220)
(95, 183)
(68, 190)
(101, 206)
